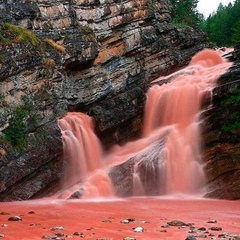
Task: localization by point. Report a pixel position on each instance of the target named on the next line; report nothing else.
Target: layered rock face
(221, 151)
(90, 56)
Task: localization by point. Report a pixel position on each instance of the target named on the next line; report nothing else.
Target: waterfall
(172, 113)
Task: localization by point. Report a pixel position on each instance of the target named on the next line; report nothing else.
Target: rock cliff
(221, 151)
(90, 56)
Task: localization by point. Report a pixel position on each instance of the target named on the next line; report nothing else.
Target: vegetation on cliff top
(223, 26)
(185, 12)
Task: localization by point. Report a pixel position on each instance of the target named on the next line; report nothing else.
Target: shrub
(15, 133)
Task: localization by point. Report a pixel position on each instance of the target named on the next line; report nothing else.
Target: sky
(208, 6)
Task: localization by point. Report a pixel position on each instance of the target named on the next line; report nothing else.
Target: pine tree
(185, 11)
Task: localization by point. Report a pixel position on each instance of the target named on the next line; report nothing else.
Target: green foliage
(16, 131)
(234, 97)
(22, 115)
(11, 33)
(150, 5)
(231, 127)
(236, 32)
(233, 120)
(223, 26)
(185, 12)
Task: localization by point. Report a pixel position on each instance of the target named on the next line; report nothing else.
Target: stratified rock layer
(221, 152)
(91, 56)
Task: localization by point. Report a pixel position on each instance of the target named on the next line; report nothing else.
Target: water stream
(172, 113)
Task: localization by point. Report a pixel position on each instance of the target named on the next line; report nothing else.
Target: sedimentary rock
(221, 151)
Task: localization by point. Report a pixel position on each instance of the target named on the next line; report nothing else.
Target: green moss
(85, 28)
(11, 33)
(233, 97)
(231, 127)
(233, 123)
(150, 4)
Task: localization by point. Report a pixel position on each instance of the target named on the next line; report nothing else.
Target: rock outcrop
(90, 56)
(221, 151)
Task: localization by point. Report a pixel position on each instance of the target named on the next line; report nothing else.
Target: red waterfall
(175, 105)
(82, 157)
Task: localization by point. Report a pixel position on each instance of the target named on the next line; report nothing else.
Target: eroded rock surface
(221, 152)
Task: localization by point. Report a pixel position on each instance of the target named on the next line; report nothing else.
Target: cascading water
(82, 155)
(172, 114)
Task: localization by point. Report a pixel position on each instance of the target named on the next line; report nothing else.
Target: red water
(172, 110)
(102, 220)
(178, 104)
(82, 158)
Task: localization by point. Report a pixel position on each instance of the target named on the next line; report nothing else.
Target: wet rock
(60, 234)
(90, 229)
(70, 236)
(212, 221)
(2, 235)
(107, 221)
(145, 221)
(138, 229)
(31, 212)
(80, 234)
(177, 223)
(234, 237)
(201, 235)
(148, 161)
(4, 213)
(50, 237)
(128, 220)
(191, 237)
(192, 230)
(215, 228)
(104, 239)
(15, 218)
(202, 229)
(223, 235)
(77, 195)
(165, 226)
(211, 235)
(57, 228)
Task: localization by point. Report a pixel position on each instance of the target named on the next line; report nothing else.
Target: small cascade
(82, 158)
(138, 189)
(166, 160)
